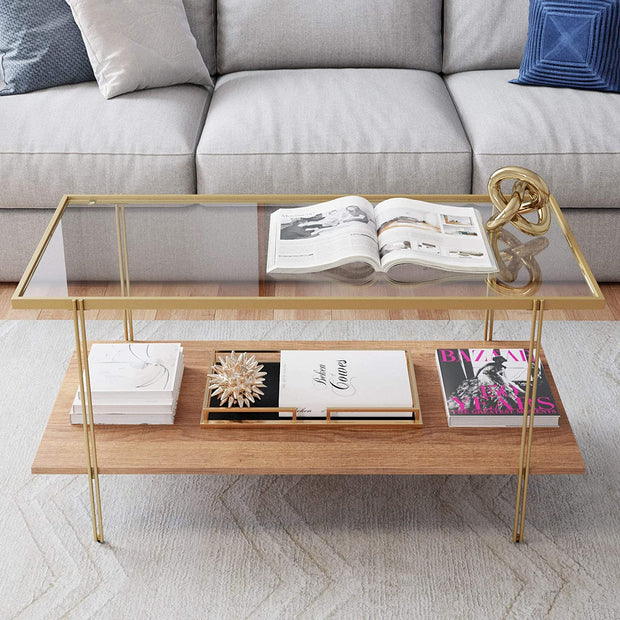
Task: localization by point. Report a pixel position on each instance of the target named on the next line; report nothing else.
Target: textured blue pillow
(573, 43)
(40, 46)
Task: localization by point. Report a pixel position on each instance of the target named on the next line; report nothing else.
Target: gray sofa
(357, 96)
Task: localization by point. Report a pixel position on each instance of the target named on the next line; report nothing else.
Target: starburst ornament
(237, 378)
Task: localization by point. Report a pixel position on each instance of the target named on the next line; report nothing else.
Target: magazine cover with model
(396, 231)
(486, 387)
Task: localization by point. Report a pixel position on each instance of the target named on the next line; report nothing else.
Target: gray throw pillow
(40, 46)
(134, 44)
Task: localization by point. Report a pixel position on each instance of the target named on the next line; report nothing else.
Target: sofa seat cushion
(70, 140)
(570, 137)
(332, 131)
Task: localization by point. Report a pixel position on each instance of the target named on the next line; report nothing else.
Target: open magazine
(397, 230)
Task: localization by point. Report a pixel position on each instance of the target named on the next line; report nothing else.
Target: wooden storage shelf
(186, 448)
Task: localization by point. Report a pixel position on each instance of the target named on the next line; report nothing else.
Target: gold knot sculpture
(237, 378)
(529, 193)
(511, 258)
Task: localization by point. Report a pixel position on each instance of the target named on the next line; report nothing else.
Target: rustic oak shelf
(186, 448)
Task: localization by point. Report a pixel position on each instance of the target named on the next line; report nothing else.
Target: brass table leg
(529, 408)
(88, 422)
(123, 266)
(489, 316)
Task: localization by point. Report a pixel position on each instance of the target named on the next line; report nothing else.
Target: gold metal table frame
(536, 305)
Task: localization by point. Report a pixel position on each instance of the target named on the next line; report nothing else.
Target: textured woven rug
(310, 546)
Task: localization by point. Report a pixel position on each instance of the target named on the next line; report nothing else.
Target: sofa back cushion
(478, 34)
(294, 34)
(201, 18)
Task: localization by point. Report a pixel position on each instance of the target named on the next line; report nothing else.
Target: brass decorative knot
(511, 258)
(529, 193)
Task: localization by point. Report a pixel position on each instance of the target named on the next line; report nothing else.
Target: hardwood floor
(611, 311)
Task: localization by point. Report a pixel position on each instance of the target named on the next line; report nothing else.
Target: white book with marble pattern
(134, 372)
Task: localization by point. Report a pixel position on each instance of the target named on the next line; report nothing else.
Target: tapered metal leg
(88, 421)
(529, 408)
(489, 316)
(123, 266)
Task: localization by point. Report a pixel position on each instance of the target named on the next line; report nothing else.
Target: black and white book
(351, 230)
(133, 383)
(486, 387)
(313, 381)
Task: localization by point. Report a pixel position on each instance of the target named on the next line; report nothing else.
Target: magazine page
(323, 236)
(450, 238)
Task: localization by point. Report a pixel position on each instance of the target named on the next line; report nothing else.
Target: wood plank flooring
(611, 311)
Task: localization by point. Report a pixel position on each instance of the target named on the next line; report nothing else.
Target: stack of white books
(133, 383)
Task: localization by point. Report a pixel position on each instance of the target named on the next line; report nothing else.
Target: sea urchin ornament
(237, 378)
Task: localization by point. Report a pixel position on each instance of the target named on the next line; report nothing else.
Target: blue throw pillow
(573, 43)
(40, 46)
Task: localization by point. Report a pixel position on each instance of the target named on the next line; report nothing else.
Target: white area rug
(310, 546)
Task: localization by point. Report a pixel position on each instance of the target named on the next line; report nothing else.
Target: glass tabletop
(213, 252)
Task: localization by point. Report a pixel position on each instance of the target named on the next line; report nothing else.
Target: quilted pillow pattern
(573, 43)
(40, 47)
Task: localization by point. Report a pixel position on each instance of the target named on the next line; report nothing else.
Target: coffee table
(129, 253)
